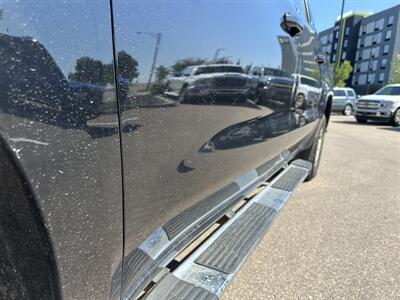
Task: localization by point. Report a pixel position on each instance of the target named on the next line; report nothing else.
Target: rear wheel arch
(27, 263)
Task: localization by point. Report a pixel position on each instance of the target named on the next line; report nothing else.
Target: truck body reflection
(210, 83)
(32, 85)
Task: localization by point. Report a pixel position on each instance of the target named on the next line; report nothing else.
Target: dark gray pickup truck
(111, 188)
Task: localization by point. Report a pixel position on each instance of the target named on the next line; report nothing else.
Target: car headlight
(387, 104)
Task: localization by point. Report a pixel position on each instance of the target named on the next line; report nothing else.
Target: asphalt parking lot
(339, 236)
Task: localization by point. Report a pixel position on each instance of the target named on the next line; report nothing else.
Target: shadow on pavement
(353, 122)
(391, 129)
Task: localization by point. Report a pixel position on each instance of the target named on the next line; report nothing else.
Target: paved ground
(339, 236)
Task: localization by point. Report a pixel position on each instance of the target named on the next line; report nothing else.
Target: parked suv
(344, 100)
(111, 189)
(384, 106)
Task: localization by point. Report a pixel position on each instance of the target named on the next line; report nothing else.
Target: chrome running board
(206, 272)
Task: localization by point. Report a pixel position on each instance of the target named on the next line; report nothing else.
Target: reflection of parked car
(208, 82)
(308, 91)
(274, 86)
(384, 105)
(344, 100)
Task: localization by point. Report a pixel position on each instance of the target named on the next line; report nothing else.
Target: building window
(379, 24)
(384, 63)
(362, 79)
(353, 82)
(358, 55)
(370, 27)
(334, 57)
(363, 29)
(381, 77)
(375, 52)
(357, 67)
(377, 38)
(366, 53)
(386, 49)
(373, 65)
(347, 31)
(368, 40)
(388, 35)
(390, 21)
(371, 78)
(337, 34)
(364, 66)
(345, 43)
(343, 55)
(330, 39)
(335, 46)
(328, 49)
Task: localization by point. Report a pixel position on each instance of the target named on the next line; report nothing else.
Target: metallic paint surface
(49, 117)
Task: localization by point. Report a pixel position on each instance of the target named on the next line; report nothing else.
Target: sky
(247, 29)
(326, 11)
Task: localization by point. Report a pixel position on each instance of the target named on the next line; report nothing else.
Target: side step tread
(172, 288)
(289, 179)
(207, 271)
(229, 249)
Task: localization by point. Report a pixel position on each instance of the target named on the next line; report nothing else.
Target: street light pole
(157, 36)
(216, 53)
(340, 33)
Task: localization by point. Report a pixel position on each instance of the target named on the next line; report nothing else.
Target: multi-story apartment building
(369, 42)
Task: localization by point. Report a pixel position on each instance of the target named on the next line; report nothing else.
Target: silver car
(344, 100)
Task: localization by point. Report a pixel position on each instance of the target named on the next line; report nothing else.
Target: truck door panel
(179, 150)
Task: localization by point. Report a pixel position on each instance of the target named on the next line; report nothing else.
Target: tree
(108, 73)
(88, 70)
(342, 73)
(395, 76)
(161, 73)
(181, 64)
(127, 66)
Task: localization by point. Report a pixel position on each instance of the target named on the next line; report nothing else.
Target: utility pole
(338, 55)
(157, 36)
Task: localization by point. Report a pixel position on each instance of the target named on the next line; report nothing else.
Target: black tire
(361, 120)
(395, 121)
(313, 154)
(348, 110)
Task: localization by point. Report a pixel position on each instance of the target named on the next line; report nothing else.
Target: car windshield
(275, 72)
(389, 91)
(309, 81)
(219, 69)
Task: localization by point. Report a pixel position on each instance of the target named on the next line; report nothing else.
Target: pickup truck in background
(383, 106)
(155, 197)
(213, 82)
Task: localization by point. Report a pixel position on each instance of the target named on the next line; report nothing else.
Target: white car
(344, 100)
(384, 105)
(308, 91)
(205, 83)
